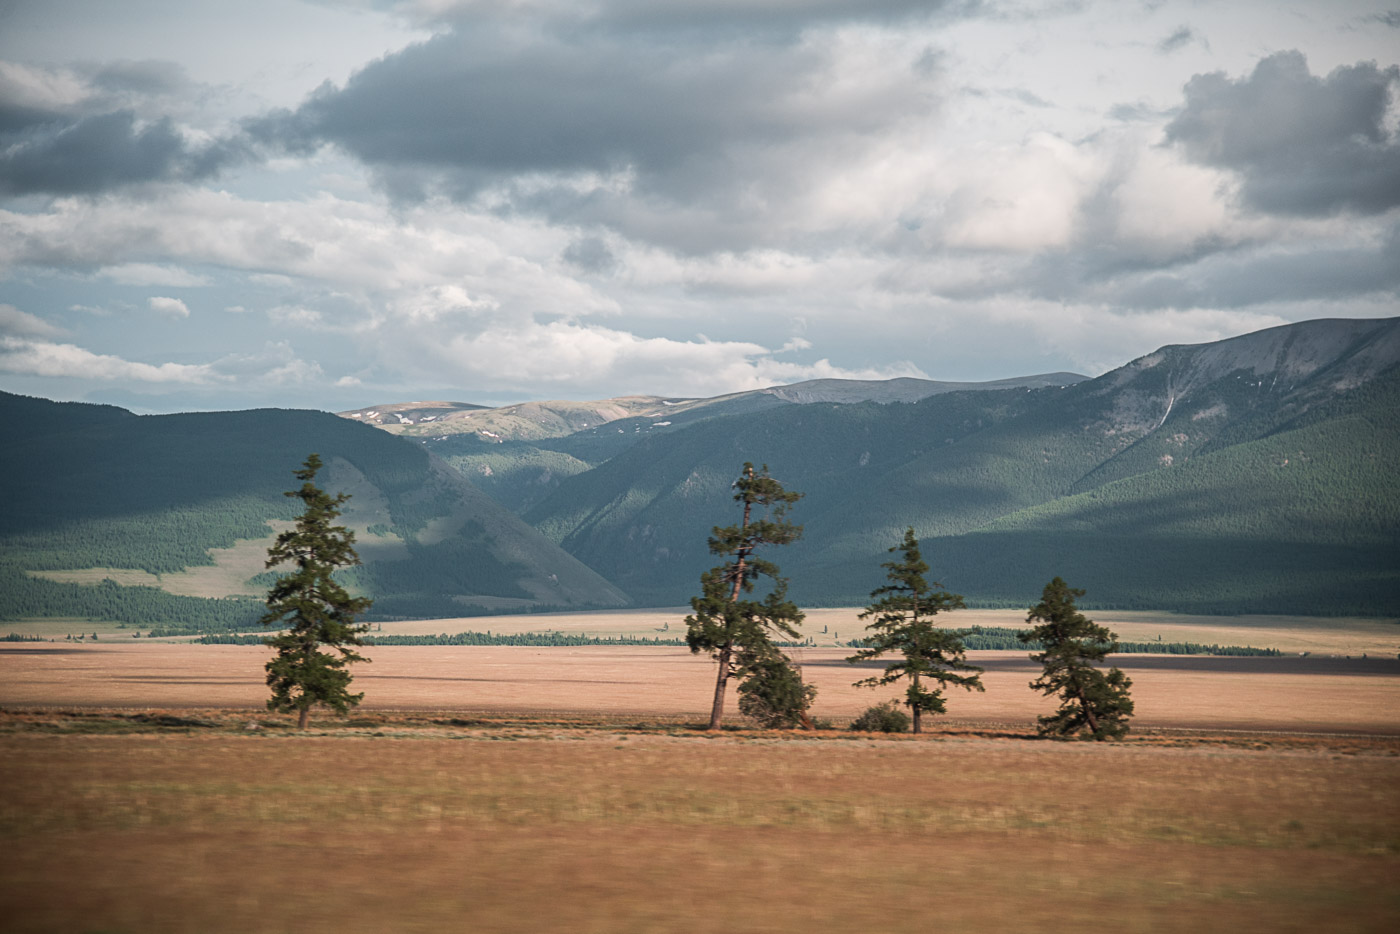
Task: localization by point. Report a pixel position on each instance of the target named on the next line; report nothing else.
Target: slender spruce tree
(738, 632)
(315, 609)
(1094, 704)
(903, 612)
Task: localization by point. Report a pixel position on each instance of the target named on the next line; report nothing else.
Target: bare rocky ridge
(1312, 358)
(534, 421)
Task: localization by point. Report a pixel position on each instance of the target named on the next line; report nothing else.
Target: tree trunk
(726, 653)
(721, 683)
(1088, 711)
(304, 715)
(918, 710)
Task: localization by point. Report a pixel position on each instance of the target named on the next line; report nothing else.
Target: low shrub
(882, 718)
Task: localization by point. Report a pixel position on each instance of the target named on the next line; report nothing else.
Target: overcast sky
(335, 204)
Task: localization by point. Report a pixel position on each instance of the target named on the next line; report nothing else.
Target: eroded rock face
(1295, 365)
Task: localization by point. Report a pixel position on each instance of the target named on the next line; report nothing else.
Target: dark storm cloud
(728, 126)
(1227, 280)
(1217, 275)
(549, 106)
(52, 154)
(16, 118)
(1303, 145)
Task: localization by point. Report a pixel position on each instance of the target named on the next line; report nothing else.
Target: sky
(344, 203)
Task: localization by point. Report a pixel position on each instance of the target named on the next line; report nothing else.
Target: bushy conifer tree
(1090, 699)
(738, 632)
(772, 691)
(314, 607)
(903, 612)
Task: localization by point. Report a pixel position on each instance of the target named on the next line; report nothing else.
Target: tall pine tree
(903, 612)
(1090, 699)
(736, 632)
(316, 610)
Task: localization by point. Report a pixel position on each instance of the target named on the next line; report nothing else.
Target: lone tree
(1090, 699)
(736, 632)
(904, 610)
(316, 610)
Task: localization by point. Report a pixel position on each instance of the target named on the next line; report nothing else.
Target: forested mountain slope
(1161, 483)
(184, 502)
(1257, 474)
(520, 453)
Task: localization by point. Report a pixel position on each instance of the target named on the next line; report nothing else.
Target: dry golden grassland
(410, 825)
(1292, 693)
(503, 789)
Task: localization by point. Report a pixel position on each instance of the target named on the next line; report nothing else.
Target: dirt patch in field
(1290, 694)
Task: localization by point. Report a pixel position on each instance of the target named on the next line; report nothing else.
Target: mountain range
(1256, 474)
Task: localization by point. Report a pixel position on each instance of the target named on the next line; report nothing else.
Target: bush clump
(882, 718)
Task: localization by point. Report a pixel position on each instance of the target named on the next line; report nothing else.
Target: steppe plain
(569, 789)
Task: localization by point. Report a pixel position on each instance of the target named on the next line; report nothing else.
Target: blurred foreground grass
(613, 831)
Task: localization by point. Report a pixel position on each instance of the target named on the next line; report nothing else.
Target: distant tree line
(985, 638)
(537, 639)
(25, 597)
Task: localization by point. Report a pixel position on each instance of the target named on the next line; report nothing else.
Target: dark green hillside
(92, 487)
(521, 474)
(1305, 520)
(517, 474)
(642, 518)
(519, 454)
(1256, 474)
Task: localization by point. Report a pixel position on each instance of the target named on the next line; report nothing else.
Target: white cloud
(42, 358)
(569, 353)
(1097, 338)
(960, 197)
(40, 87)
(22, 324)
(152, 274)
(1025, 198)
(169, 306)
(297, 316)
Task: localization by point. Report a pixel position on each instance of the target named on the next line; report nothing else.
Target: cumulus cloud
(84, 129)
(560, 197)
(618, 128)
(43, 358)
(1301, 144)
(169, 306)
(91, 154)
(533, 355)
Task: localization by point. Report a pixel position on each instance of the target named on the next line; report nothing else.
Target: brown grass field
(1314, 694)
(504, 789)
